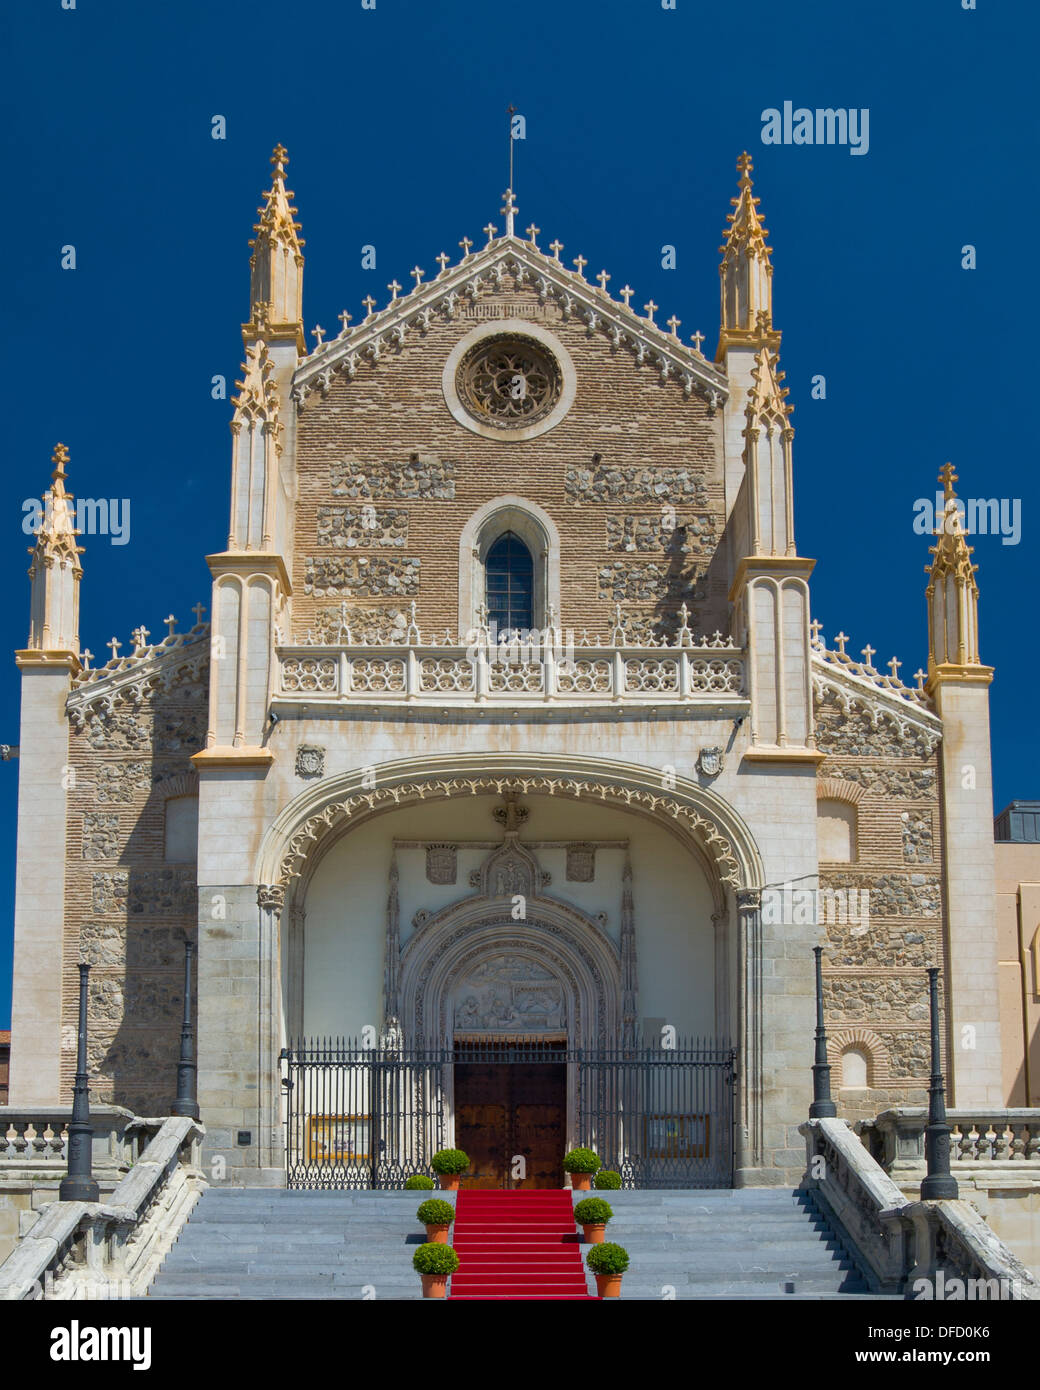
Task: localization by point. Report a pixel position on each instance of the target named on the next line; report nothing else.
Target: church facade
(510, 729)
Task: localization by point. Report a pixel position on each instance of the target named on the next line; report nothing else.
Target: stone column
(750, 1142)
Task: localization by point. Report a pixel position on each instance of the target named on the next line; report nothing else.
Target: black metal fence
(369, 1117)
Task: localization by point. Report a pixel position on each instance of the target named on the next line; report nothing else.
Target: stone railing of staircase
(112, 1248)
(901, 1241)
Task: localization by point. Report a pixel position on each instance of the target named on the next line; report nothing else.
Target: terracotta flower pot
(581, 1182)
(435, 1285)
(450, 1182)
(438, 1235)
(593, 1233)
(608, 1285)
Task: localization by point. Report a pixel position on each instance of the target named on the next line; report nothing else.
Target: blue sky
(395, 121)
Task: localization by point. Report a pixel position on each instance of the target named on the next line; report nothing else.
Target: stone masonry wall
(388, 479)
(875, 986)
(128, 912)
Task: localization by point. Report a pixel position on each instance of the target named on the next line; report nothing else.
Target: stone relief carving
(442, 863)
(710, 761)
(508, 993)
(310, 761)
(581, 863)
(360, 576)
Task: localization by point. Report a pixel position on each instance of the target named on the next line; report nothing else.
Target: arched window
(509, 571)
(836, 831)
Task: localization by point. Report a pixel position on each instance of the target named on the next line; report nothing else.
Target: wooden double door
(510, 1110)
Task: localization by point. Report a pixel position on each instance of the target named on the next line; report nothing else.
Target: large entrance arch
(707, 825)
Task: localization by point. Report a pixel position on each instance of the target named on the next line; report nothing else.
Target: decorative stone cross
(841, 639)
(626, 292)
(581, 263)
(171, 623)
(532, 235)
(88, 657)
(369, 304)
(673, 323)
(868, 652)
(814, 628)
(920, 677)
(490, 229)
(696, 339)
(651, 310)
(115, 644)
(442, 260)
(509, 210)
(344, 319)
(465, 243)
(318, 332)
(417, 275)
(395, 290)
(198, 610)
(140, 636)
(603, 277)
(556, 247)
(894, 666)
(744, 164)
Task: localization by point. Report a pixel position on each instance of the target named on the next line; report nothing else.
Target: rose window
(508, 382)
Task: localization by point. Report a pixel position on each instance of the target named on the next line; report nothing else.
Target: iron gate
(369, 1117)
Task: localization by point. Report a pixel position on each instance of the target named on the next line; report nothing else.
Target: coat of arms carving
(310, 761)
(441, 863)
(710, 761)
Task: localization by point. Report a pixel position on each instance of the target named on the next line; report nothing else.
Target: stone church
(510, 761)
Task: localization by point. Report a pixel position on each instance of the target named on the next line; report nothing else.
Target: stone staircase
(263, 1243)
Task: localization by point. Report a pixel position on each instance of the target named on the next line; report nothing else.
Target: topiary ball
(419, 1182)
(607, 1178)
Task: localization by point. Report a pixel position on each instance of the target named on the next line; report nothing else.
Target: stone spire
(55, 570)
(746, 274)
(276, 266)
(953, 594)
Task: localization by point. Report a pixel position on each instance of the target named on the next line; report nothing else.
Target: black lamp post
(78, 1184)
(822, 1107)
(187, 1071)
(939, 1181)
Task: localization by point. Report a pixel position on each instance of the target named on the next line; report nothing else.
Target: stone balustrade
(33, 1138)
(981, 1143)
(111, 1249)
(907, 1246)
(486, 672)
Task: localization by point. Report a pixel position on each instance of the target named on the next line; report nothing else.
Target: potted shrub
(579, 1165)
(437, 1216)
(592, 1215)
(419, 1182)
(435, 1262)
(608, 1262)
(448, 1164)
(607, 1178)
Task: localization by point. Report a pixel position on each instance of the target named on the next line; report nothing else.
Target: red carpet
(521, 1244)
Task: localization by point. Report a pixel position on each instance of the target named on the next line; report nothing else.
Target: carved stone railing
(905, 1246)
(33, 1139)
(709, 673)
(861, 1197)
(111, 1249)
(982, 1143)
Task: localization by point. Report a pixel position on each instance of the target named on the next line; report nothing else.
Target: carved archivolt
(361, 803)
